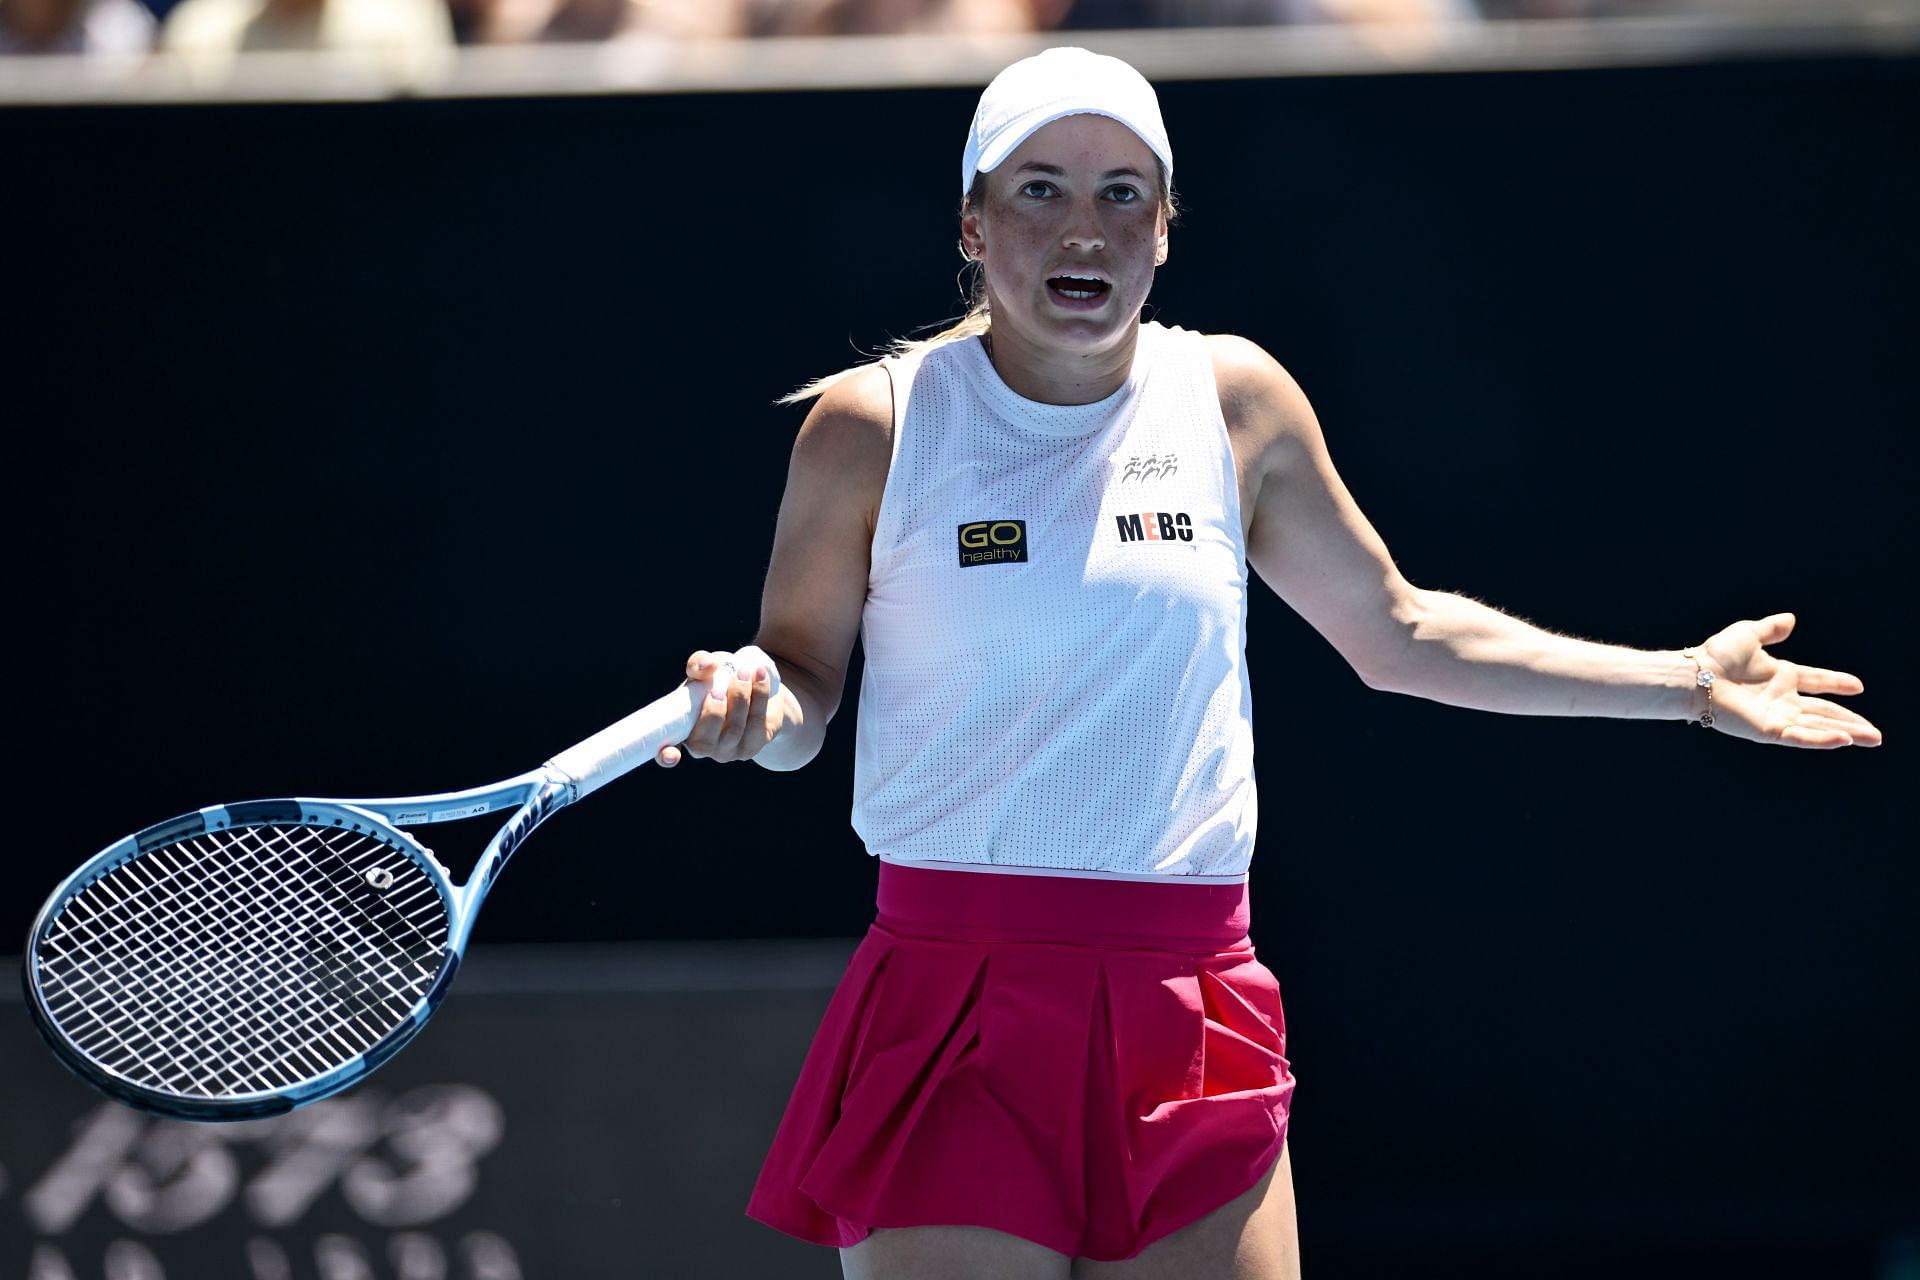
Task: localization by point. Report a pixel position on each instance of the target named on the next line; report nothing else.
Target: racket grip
(627, 744)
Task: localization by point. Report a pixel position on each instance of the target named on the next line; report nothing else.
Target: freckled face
(1070, 234)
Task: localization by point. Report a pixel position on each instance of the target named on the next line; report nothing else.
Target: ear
(972, 242)
(1160, 245)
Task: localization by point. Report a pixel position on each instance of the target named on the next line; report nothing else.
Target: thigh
(1251, 1238)
(950, 1253)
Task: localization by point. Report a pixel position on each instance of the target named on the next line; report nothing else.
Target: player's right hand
(740, 715)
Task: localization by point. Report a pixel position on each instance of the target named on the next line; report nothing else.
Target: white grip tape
(630, 743)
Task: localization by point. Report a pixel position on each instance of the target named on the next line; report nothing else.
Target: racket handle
(627, 744)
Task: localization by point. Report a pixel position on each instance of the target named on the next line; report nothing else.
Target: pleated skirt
(1088, 1064)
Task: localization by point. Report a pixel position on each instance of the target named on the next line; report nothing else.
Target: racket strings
(232, 963)
(239, 959)
(221, 961)
(244, 960)
(124, 981)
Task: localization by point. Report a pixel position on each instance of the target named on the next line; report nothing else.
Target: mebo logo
(993, 542)
(1155, 526)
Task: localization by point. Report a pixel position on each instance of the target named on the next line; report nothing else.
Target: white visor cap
(1036, 91)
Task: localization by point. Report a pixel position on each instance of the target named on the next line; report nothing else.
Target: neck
(1052, 376)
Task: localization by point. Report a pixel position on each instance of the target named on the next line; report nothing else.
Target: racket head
(244, 959)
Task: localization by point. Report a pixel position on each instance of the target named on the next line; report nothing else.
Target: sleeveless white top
(1055, 627)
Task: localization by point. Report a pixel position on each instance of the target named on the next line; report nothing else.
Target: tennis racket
(246, 959)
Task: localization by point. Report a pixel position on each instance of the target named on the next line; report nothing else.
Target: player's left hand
(1767, 699)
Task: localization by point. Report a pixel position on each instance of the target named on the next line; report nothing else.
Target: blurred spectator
(604, 19)
(1583, 8)
(509, 21)
(414, 34)
(496, 21)
(683, 19)
(514, 21)
(1108, 14)
(918, 17)
(75, 26)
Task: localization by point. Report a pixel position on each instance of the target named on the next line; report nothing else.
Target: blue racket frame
(537, 795)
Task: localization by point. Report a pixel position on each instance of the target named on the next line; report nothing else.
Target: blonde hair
(978, 319)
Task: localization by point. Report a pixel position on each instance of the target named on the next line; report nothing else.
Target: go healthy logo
(993, 542)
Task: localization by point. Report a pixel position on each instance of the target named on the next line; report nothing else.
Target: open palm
(1767, 699)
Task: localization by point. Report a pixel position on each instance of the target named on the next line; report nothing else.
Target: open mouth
(1075, 288)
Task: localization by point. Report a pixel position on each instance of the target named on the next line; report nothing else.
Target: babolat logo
(993, 542)
(1156, 526)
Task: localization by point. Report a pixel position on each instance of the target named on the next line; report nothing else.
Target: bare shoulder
(1266, 411)
(1250, 380)
(845, 446)
(852, 421)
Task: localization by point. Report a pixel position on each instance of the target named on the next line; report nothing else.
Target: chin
(1092, 332)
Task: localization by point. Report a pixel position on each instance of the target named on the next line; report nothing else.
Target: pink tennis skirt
(1088, 1064)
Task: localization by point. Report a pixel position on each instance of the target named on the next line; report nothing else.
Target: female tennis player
(1055, 1053)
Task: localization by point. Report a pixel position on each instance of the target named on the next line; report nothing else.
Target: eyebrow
(1055, 171)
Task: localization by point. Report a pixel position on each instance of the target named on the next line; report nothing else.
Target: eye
(1037, 190)
(1122, 195)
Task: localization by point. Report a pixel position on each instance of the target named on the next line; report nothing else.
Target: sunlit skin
(1081, 193)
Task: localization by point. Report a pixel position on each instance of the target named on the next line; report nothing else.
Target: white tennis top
(1055, 627)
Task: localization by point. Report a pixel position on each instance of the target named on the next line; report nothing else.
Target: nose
(1083, 228)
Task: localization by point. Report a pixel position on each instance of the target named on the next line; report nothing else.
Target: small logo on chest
(993, 542)
(1153, 465)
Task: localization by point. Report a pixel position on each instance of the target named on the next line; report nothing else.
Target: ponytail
(973, 324)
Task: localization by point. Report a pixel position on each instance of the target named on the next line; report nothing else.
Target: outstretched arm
(1308, 540)
(1462, 652)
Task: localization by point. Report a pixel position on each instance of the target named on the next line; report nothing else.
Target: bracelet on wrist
(1703, 678)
